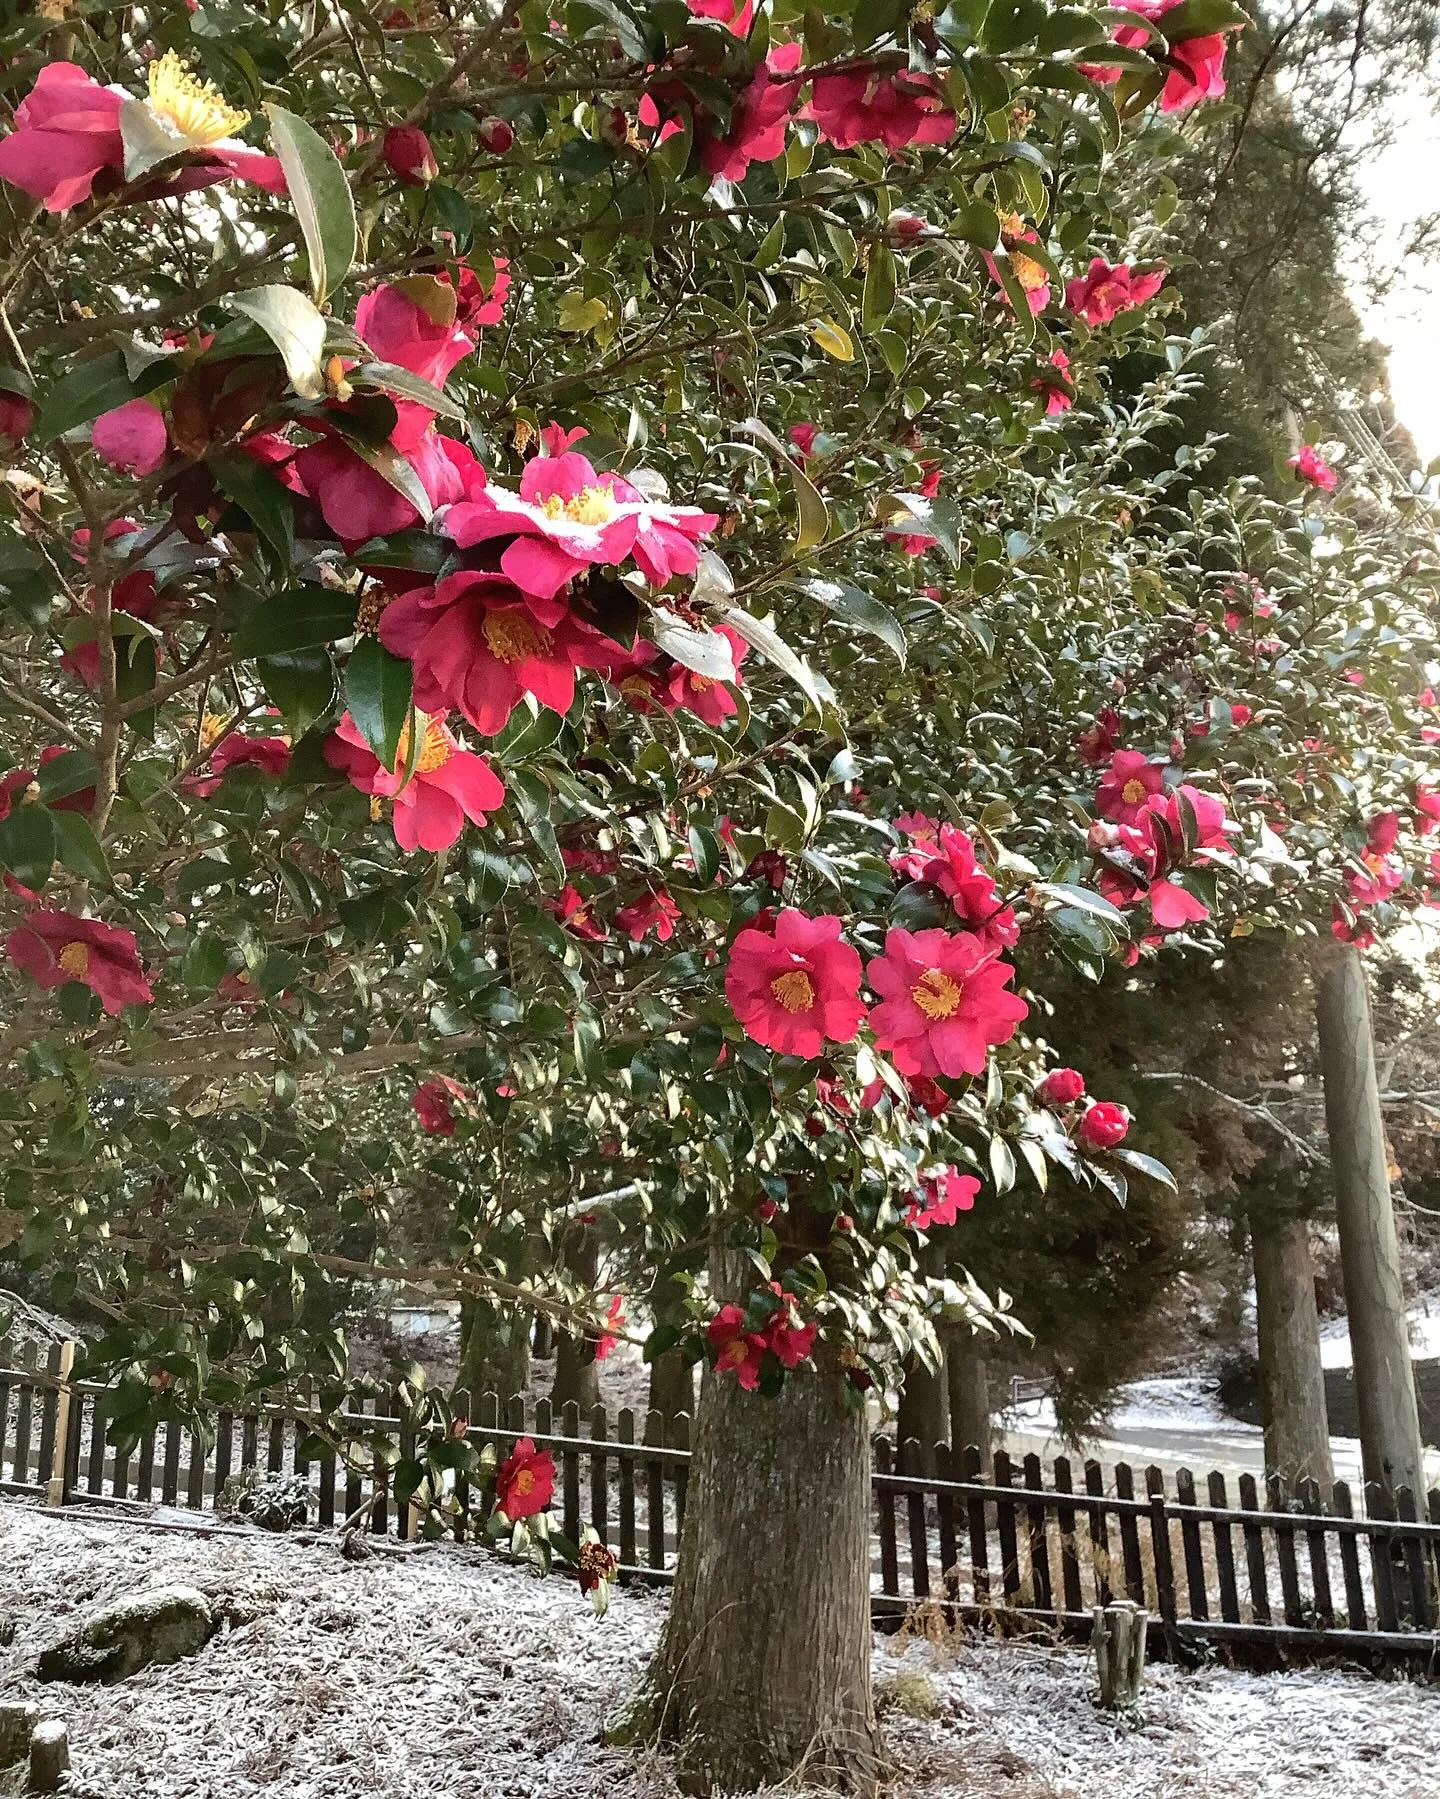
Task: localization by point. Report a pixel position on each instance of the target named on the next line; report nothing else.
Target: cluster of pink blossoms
(1377, 874)
(1145, 830)
(743, 1352)
(1096, 1124)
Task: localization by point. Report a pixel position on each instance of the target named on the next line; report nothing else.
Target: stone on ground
(158, 1626)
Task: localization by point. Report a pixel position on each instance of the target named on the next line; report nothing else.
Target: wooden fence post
(57, 1490)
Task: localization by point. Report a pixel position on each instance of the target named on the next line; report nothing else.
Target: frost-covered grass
(446, 1673)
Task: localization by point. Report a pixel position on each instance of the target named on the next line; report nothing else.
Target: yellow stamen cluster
(75, 960)
(591, 506)
(212, 729)
(194, 109)
(794, 990)
(435, 746)
(936, 994)
(1133, 793)
(510, 637)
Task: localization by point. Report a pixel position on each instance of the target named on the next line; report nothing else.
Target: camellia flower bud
(496, 135)
(408, 155)
(16, 417)
(1104, 1125)
(1061, 1087)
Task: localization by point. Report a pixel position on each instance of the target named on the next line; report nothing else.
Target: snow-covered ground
(1423, 1319)
(444, 1672)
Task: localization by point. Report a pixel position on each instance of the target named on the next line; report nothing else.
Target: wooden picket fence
(1033, 1546)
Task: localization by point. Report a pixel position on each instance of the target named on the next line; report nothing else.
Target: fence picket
(1308, 1496)
(1421, 1610)
(599, 1475)
(95, 1467)
(1190, 1541)
(1378, 1505)
(1005, 1520)
(655, 1490)
(1278, 1496)
(170, 1473)
(1129, 1535)
(912, 1459)
(1224, 1552)
(974, 1467)
(49, 1414)
(570, 1471)
(889, 1552)
(145, 1466)
(1160, 1545)
(1099, 1532)
(1254, 1553)
(24, 1404)
(626, 1432)
(1355, 1613)
(947, 1461)
(1038, 1521)
(1065, 1517)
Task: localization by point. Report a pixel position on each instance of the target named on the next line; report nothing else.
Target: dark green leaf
(301, 683)
(377, 693)
(77, 846)
(321, 197)
(87, 391)
(859, 609)
(302, 618)
(64, 775)
(27, 844)
(263, 499)
(878, 300)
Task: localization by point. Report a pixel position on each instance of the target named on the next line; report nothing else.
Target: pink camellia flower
(803, 437)
(417, 325)
(1098, 743)
(1312, 467)
(132, 437)
(797, 988)
(67, 132)
(55, 947)
(1104, 291)
(737, 14)
(408, 156)
(1057, 388)
(1195, 67)
(567, 518)
(1373, 882)
(1427, 807)
(434, 1102)
(446, 786)
(525, 1481)
(357, 501)
(863, 107)
(1347, 929)
(271, 755)
(942, 1196)
(1128, 785)
(576, 913)
(1103, 1125)
(1033, 276)
(17, 415)
(653, 911)
(616, 1319)
(712, 702)
(737, 1351)
(1061, 1087)
(919, 826)
(943, 1002)
(756, 132)
(1240, 716)
(476, 642)
(1382, 832)
(952, 866)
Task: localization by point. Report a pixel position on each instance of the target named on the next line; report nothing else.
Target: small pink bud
(496, 135)
(408, 155)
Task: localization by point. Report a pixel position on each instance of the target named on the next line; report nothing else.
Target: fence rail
(1310, 1573)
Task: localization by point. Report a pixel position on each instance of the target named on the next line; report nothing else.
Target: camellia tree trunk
(577, 1374)
(763, 1671)
(1292, 1379)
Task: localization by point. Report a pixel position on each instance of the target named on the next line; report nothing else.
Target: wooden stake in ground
(1370, 1255)
(49, 1756)
(55, 1490)
(1118, 1639)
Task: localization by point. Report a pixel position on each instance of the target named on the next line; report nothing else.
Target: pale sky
(1400, 185)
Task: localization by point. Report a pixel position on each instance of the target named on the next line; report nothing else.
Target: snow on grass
(450, 1674)
(1423, 1319)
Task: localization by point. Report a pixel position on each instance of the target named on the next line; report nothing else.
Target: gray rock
(158, 1626)
(17, 1720)
(49, 1756)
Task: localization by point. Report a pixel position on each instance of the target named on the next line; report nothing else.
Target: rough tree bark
(924, 1416)
(543, 1344)
(494, 1350)
(1292, 1380)
(968, 1382)
(763, 1669)
(1369, 1252)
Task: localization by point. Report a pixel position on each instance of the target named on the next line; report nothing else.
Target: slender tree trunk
(924, 1418)
(543, 1343)
(494, 1350)
(672, 1385)
(763, 1669)
(968, 1382)
(577, 1374)
(1369, 1252)
(1292, 1380)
